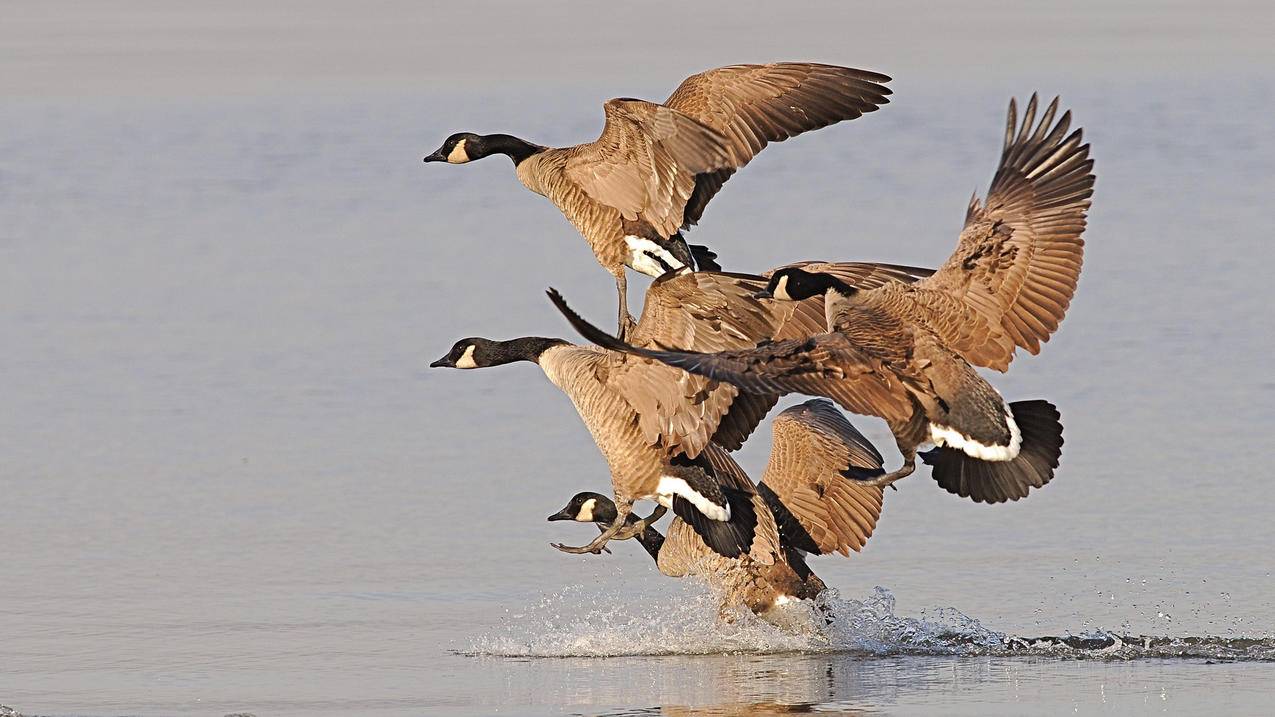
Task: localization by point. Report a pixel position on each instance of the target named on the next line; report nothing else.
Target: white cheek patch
(670, 486)
(640, 259)
(466, 359)
(947, 436)
(781, 289)
(458, 155)
(586, 511)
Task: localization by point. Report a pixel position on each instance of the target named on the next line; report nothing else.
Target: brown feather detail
(644, 163)
(599, 223)
(585, 375)
(707, 312)
(808, 317)
(824, 365)
(814, 445)
(1019, 256)
(753, 105)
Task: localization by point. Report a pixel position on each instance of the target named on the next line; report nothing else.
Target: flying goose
(811, 497)
(653, 422)
(905, 352)
(656, 166)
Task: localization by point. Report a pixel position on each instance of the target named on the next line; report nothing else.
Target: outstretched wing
(823, 365)
(1019, 257)
(810, 481)
(645, 161)
(753, 105)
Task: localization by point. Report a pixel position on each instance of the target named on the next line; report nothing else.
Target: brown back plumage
(808, 317)
(644, 163)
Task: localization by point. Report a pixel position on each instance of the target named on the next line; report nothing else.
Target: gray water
(229, 482)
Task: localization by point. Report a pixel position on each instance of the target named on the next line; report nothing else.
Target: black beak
(764, 294)
(436, 157)
(443, 362)
(564, 514)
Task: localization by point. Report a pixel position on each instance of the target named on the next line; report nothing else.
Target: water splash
(586, 621)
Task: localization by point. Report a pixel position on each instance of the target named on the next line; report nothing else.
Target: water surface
(230, 482)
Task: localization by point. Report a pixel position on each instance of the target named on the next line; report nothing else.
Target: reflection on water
(838, 684)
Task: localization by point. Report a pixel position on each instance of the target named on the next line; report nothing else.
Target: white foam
(681, 618)
(589, 621)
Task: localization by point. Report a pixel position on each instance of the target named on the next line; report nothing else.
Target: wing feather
(753, 105)
(814, 446)
(645, 161)
(1019, 256)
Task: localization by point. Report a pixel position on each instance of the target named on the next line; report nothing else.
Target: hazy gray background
(228, 481)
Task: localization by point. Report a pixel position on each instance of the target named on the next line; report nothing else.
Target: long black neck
(510, 146)
(840, 286)
(527, 348)
(652, 541)
(650, 538)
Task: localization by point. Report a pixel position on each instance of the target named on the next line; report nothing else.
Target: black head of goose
(464, 147)
(589, 507)
(655, 167)
(906, 352)
(477, 352)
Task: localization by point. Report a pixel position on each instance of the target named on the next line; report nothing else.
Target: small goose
(656, 166)
(811, 495)
(653, 422)
(905, 352)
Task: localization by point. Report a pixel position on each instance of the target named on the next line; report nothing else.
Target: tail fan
(705, 258)
(1000, 481)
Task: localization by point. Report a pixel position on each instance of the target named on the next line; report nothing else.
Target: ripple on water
(585, 621)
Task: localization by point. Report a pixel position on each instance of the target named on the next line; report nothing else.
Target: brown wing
(824, 365)
(1019, 256)
(810, 480)
(752, 105)
(808, 318)
(644, 163)
(707, 312)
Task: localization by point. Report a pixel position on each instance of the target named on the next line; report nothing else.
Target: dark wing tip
(586, 329)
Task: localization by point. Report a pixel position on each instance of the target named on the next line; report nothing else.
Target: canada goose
(903, 352)
(653, 422)
(812, 493)
(656, 166)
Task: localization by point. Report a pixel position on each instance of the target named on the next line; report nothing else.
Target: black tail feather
(997, 482)
(730, 538)
(586, 329)
(705, 258)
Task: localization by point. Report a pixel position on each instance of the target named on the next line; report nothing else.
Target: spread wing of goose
(652, 421)
(656, 166)
(906, 352)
